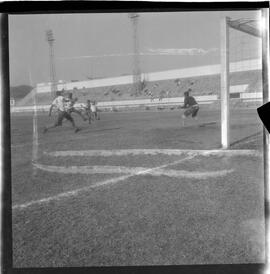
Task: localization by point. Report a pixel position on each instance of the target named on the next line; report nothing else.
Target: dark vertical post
(134, 17)
(50, 40)
(5, 146)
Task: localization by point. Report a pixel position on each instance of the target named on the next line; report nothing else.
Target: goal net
(241, 83)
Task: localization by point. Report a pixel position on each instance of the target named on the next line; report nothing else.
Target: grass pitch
(151, 209)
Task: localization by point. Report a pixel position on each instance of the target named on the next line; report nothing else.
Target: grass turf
(142, 220)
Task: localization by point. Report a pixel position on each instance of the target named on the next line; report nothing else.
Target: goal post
(224, 82)
(243, 27)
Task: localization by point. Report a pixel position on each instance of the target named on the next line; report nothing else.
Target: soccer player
(94, 110)
(59, 103)
(70, 102)
(191, 106)
(88, 112)
(151, 96)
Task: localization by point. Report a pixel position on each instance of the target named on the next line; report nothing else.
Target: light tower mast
(134, 17)
(50, 40)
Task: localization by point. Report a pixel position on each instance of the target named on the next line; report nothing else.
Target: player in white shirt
(94, 110)
(59, 104)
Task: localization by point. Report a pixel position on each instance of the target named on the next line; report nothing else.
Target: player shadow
(207, 124)
(189, 142)
(84, 130)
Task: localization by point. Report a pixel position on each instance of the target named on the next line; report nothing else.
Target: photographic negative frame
(100, 7)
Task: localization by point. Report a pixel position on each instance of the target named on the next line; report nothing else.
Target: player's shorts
(63, 115)
(193, 110)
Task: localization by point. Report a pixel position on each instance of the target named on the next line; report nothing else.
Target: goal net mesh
(245, 86)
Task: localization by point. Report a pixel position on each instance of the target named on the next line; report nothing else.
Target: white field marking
(121, 152)
(133, 171)
(98, 184)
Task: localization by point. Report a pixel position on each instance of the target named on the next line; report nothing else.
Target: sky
(101, 45)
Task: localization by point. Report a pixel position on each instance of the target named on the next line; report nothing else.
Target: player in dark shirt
(191, 106)
(88, 111)
(70, 102)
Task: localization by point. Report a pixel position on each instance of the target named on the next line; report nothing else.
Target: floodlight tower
(50, 40)
(134, 17)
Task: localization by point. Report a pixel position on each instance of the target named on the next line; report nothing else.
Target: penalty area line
(76, 192)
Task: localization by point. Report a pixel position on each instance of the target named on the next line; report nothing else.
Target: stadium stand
(19, 92)
(204, 85)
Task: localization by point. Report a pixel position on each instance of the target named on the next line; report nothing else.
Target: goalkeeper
(191, 106)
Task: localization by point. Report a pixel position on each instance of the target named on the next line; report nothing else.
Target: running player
(94, 110)
(59, 103)
(70, 102)
(191, 106)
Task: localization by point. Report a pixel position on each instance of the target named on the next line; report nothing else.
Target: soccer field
(137, 188)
